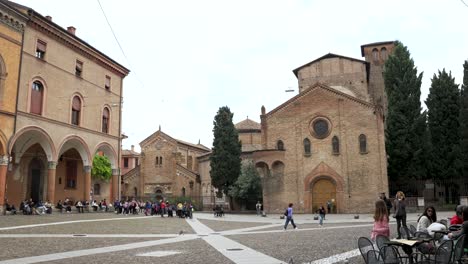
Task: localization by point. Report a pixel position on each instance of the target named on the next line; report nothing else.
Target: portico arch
(77, 143)
(27, 137)
(3, 143)
(109, 152)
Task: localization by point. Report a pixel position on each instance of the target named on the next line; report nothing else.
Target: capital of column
(87, 169)
(52, 165)
(115, 172)
(4, 160)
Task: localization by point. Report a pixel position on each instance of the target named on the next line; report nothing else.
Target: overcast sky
(188, 58)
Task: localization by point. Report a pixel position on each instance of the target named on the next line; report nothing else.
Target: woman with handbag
(289, 217)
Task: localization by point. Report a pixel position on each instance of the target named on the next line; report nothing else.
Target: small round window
(320, 128)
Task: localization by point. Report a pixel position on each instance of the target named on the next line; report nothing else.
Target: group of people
(162, 208)
(29, 207)
(427, 222)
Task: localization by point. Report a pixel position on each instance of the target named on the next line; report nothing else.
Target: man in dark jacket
(388, 203)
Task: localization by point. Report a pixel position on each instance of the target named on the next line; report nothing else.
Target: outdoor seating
(458, 250)
(373, 257)
(380, 240)
(412, 230)
(405, 232)
(443, 254)
(365, 245)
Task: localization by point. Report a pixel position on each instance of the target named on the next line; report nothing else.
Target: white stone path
(233, 250)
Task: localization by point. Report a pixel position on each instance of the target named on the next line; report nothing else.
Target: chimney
(71, 30)
(133, 147)
(49, 18)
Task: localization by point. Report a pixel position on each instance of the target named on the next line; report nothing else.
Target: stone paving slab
(14, 220)
(221, 225)
(192, 252)
(149, 225)
(26, 247)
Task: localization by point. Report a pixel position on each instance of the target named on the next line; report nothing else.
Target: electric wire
(118, 43)
(464, 3)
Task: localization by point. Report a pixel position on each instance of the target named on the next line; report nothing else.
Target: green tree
(443, 104)
(406, 123)
(464, 120)
(248, 186)
(101, 168)
(225, 159)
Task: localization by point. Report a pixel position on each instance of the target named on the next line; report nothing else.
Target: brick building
(67, 110)
(324, 144)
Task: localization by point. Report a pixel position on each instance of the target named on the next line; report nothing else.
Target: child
(321, 212)
(381, 219)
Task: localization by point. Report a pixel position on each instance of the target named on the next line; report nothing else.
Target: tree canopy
(248, 186)
(225, 159)
(464, 120)
(102, 168)
(405, 121)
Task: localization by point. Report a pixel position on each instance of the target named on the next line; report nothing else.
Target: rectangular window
(71, 174)
(40, 49)
(108, 83)
(125, 162)
(79, 68)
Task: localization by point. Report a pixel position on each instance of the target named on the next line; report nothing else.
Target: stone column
(51, 166)
(87, 182)
(114, 194)
(3, 172)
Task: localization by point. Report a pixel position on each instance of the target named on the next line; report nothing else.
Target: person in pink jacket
(381, 219)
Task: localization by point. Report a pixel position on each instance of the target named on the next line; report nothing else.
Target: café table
(407, 245)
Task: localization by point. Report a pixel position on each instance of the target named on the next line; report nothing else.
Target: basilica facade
(324, 145)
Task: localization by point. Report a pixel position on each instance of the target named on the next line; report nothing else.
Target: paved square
(109, 238)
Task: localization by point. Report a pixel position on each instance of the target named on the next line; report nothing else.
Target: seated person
(79, 206)
(59, 206)
(40, 208)
(426, 219)
(464, 229)
(94, 205)
(457, 219)
(10, 208)
(48, 207)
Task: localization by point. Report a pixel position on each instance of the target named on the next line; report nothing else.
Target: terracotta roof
(247, 124)
(374, 44)
(198, 146)
(128, 152)
(327, 56)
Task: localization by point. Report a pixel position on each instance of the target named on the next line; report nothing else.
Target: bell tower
(376, 54)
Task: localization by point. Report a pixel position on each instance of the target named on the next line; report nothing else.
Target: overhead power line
(464, 3)
(118, 43)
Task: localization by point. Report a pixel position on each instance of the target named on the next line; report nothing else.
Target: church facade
(324, 145)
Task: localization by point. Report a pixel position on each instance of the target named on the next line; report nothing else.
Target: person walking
(329, 206)
(388, 203)
(258, 206)
(400, 213)
(381, 219)
(289, 217)
(321, 212)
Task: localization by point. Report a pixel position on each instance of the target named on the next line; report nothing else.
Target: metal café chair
(443, 255)
(458, 249)
(380, 241)
(365, 245)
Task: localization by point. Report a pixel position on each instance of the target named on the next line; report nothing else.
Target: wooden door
(323, 190)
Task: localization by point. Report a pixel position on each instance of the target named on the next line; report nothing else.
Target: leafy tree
(406, 124)
(101, 168)
(248, 186)
(443, 105)
(225, 159)
(464, 120)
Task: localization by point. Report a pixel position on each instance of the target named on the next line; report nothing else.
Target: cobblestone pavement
(109, 238)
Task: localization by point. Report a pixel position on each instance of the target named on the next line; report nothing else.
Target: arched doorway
(36, 183)
(159, 195)
(323, 190)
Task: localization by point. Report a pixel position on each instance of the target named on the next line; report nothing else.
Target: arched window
(2, 79)
(277, 169)
(37, 94)
(183, 191)
(160, 160)
(135, 192)
(105, 120)
(306, 147)
(362, 144)
(97, 189)
(279, 145)
(156, 162)
(375, 55)
(335, 145)
(383, 53)
(76, 111)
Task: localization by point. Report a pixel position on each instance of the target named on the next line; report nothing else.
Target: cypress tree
(443, 105)
(225, 158)
(406, 124)
(464, 121)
